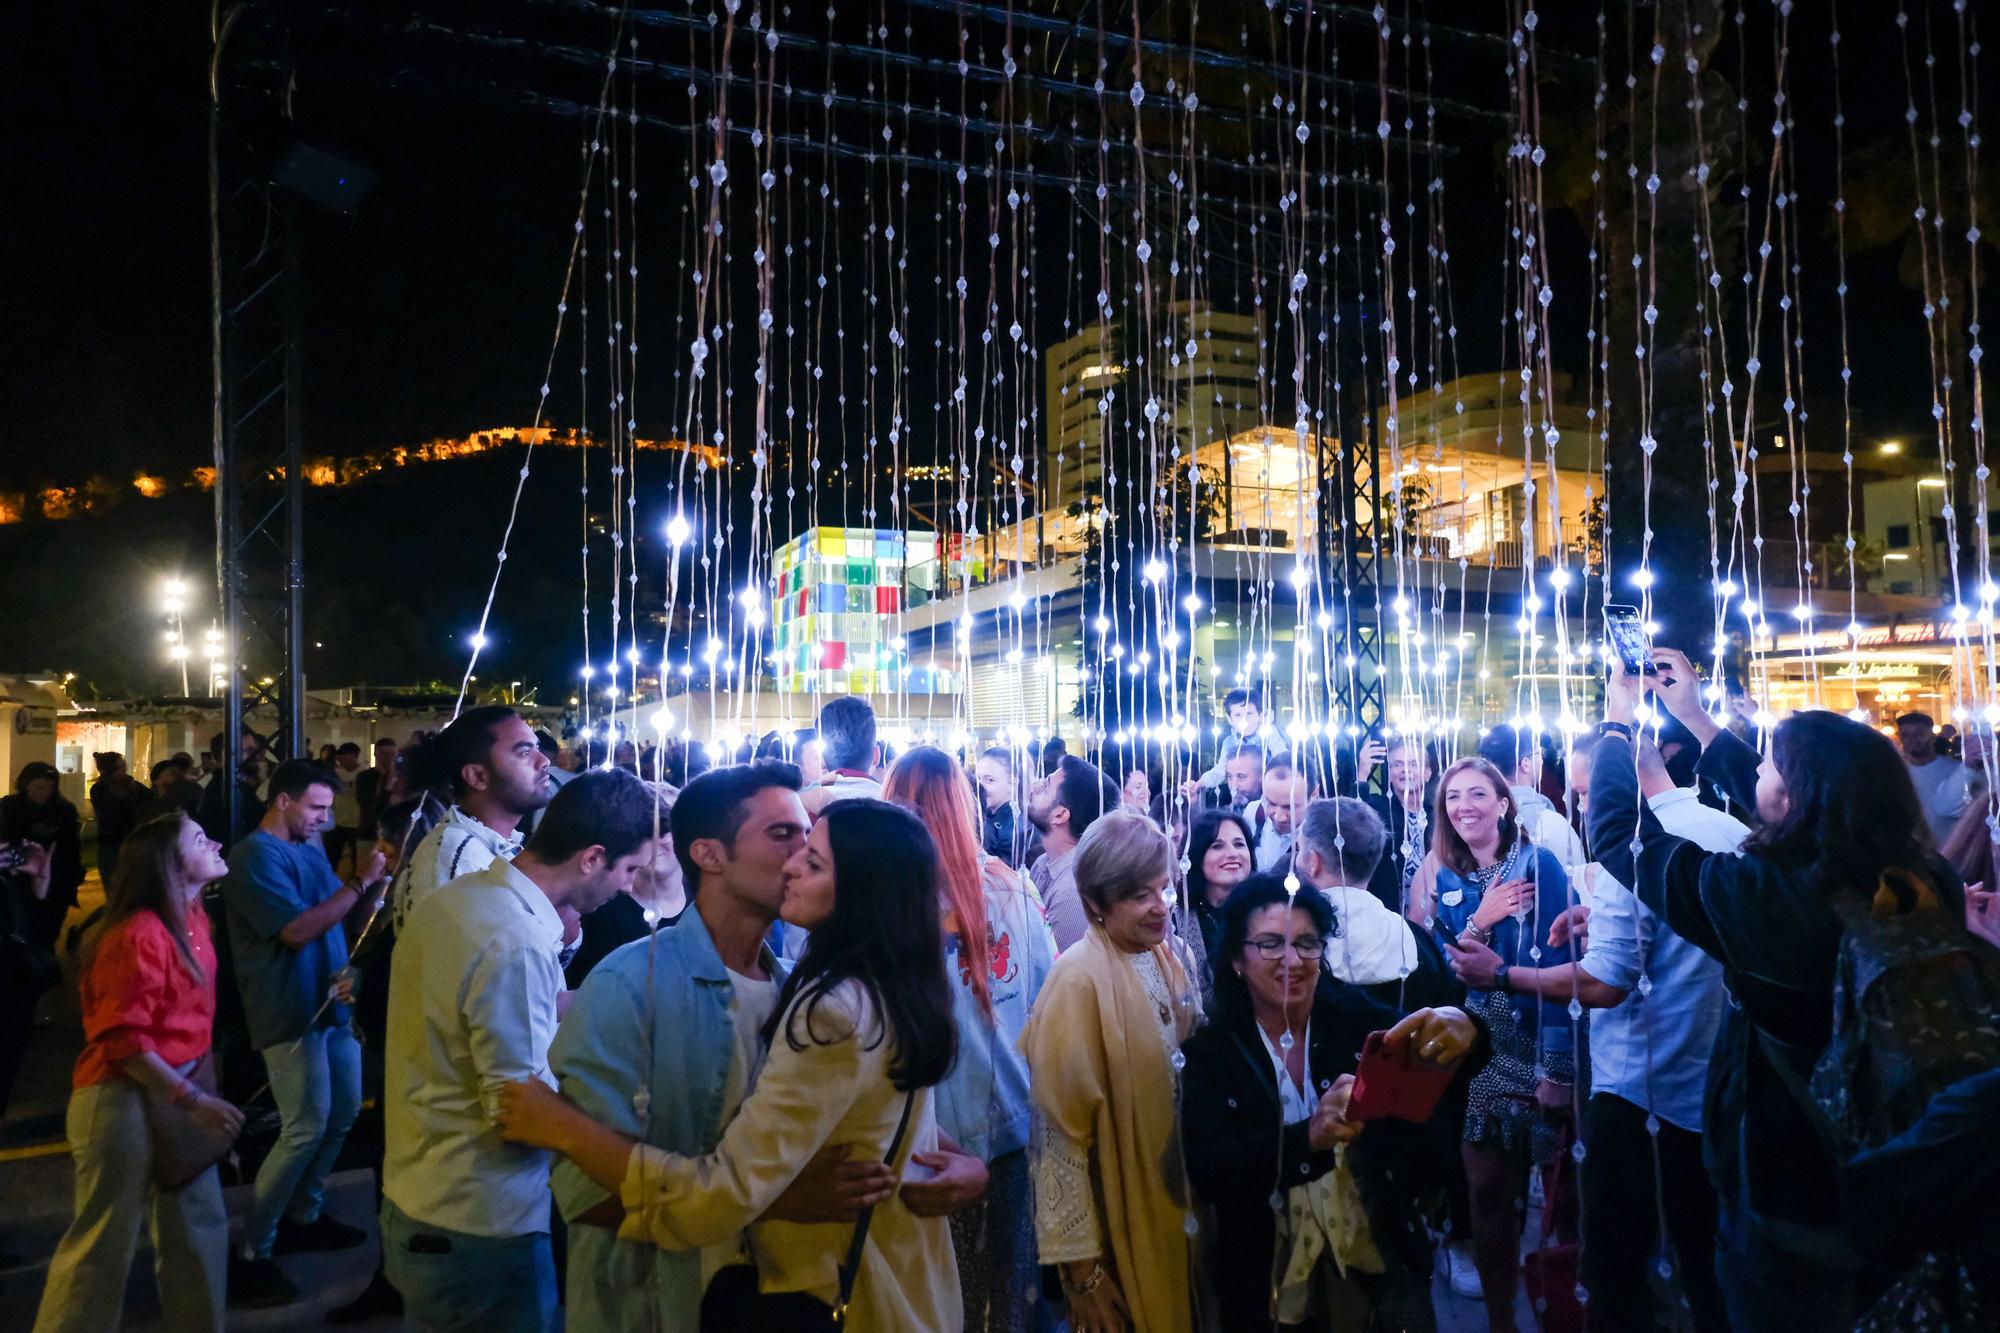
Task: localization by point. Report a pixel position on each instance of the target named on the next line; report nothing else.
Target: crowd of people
(822, 1034)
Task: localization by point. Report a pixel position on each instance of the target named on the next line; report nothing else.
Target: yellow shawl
(1101, 1075)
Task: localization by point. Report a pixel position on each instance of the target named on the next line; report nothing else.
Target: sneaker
(379, 1300)
(259, 1284)
(322, 1233)
(1461, 1272)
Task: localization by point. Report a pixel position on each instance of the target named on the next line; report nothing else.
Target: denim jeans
(452, 1281)
(316, 1082)
(115, 1198)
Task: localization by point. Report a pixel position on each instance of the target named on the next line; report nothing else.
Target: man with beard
(496, 772)
(1065, 801)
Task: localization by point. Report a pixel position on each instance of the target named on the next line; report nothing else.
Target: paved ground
(35, 1203)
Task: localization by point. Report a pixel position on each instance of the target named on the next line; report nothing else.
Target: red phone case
(1395, 1083)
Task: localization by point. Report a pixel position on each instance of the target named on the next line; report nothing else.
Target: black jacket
(1237, 1154)
(1778, 942)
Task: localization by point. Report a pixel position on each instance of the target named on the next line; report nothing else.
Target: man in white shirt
(1660, 1000)
(850, 752)
(1518, 755)
(497, 773)
(1274, 816)
(1063, 803)
(472, 1007)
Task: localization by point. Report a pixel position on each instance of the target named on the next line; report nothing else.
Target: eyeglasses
(1273, 946)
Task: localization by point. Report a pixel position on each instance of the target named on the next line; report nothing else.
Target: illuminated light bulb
(1484, 674)
(586, 671)
(1118, 650)
(750, 597)
(1960, 614)
(1192, 602)
(1121, 736)
(1401, 604)
(1214, 670)
(1172, 639)
(1727, 587)
(611, 691)
(1102, 624)
(1989, 592)
(1642, 578)
(711, 650)
(687, 669)
(677, 531)
(1013, 654)
(1559, 578)
(899, 643)
(1762, 719)
(1853, 629)
(632, 656)
(1992, 715)
(478, 641)
(1324, 620)
(1301, 577)
(1857, 715)
(1349, 660)
(1188, 734)
(663, 720)
(1802, 612)
(1532, 602)
(1651, 627)
(1017, 600)
(1714, 692)
(1154, 571)
(1748, 607)
(1145, 657)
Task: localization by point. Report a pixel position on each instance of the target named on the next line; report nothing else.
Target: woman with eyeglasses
(1264, 1117)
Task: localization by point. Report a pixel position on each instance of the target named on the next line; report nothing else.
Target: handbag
(184, 1147)
(733, 1303)
(1551, 1273)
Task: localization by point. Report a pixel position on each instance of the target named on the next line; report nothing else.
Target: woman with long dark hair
(1495, 888)
(862, 1033)
(998, 950)
(1220, 856)
(1264, 1110)
(1840, 828)
(148, 999)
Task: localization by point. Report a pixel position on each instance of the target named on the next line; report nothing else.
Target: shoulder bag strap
(851, 1269)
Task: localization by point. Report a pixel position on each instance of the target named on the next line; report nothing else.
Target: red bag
(1550, 1275)
(1395, 1083)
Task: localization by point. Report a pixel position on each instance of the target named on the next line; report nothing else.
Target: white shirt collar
(1671, 798)
(506, 846)
(509, 876)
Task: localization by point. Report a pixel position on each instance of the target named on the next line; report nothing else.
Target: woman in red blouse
(148, 998)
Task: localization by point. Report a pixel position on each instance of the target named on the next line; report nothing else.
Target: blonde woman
(1103, 1047)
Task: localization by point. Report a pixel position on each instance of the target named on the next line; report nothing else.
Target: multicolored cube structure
(837, 595)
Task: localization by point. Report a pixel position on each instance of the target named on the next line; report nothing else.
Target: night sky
(429, 311)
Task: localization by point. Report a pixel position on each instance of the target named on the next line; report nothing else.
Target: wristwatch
(1500, 976)
(1615, 728)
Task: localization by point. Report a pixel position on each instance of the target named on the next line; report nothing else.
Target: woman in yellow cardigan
(1103, 1049)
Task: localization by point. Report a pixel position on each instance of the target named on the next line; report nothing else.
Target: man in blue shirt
(663, 1043)
(1649, 1061)
(284, 908)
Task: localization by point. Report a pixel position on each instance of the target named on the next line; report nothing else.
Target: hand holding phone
(1627, 635)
